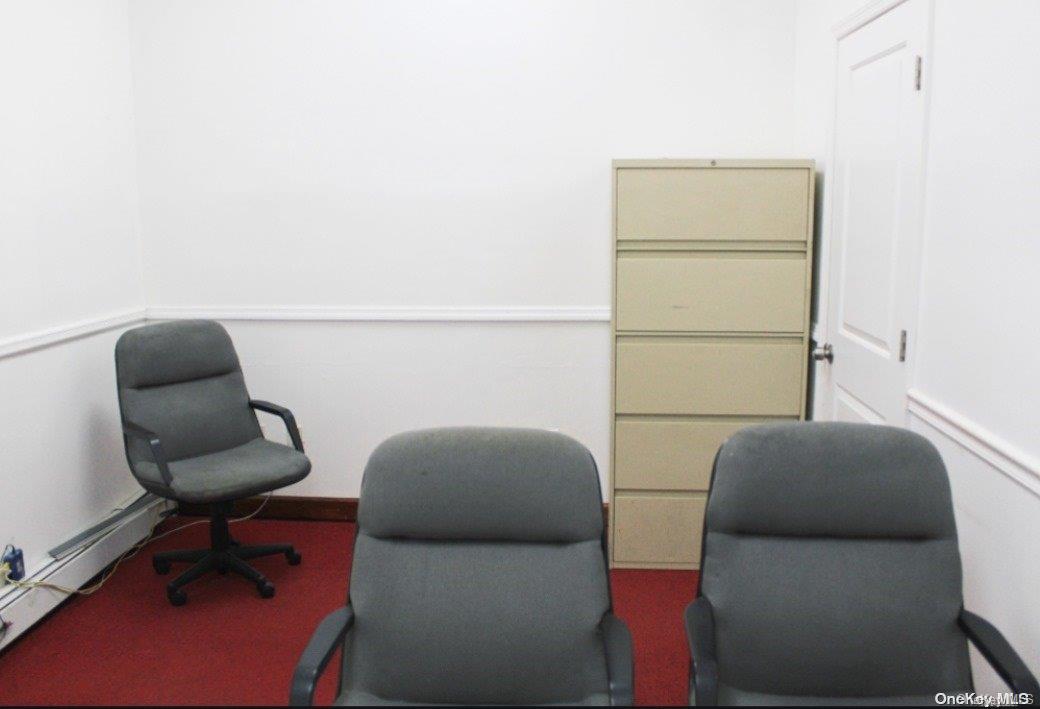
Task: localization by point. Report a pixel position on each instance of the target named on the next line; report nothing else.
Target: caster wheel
(161, 566)
(176, 596)
(222, 569)
(266, 589)
(293, 557)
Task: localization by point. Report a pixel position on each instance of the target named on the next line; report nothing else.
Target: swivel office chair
(830, 574)
(479, 577)
(191, 435)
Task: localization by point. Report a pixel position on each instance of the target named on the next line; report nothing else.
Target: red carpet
(127, 645)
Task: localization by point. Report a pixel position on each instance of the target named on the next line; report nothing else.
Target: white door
(876, 211)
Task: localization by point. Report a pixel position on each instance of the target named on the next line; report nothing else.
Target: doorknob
(826, 352)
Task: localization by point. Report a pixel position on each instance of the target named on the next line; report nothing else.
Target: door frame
(821, 405)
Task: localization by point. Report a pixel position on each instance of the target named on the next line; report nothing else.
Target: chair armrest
(617, 643)
(999, 653)
(322, 646)
(132, 430)
(287, 418)
(704, 670)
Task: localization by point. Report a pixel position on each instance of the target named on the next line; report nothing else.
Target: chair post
(219, 535)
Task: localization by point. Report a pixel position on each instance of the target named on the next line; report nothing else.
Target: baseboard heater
(75, 562)
(89, 535)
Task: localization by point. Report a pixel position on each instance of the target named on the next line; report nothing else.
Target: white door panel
(851, 410)
(878, 161)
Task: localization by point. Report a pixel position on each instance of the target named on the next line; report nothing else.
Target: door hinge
(917, 73)
(902, 345)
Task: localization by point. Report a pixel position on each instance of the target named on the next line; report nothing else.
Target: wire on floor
(128, 554)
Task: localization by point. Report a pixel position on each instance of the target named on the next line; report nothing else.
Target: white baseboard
(23, 608)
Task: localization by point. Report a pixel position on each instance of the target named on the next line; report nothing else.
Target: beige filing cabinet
(712, 279)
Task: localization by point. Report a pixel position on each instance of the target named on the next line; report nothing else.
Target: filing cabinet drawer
(697, 294)
(680, 376)
(668, 455)
(762, 204)
(658, 529)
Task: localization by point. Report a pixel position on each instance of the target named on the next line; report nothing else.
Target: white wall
(69, 191)
(980, 291)
(71, 260)
(978, 344)
(405, 153)
(976, 390)
(351, 385)
(322, 156)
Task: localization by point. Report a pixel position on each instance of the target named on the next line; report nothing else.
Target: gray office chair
(191, 435)
(479, 577)
(830, 574)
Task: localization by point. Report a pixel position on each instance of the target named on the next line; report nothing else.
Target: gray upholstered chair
(479, 577)
(191, 435)
(830, 574)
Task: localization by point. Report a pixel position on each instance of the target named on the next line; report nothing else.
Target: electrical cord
(128, 554)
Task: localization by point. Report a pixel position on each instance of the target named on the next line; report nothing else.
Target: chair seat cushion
(252, 468)
(358, 698)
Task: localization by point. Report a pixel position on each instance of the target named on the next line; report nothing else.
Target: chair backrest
(479, 575)
(183, 381)
(830, 558)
